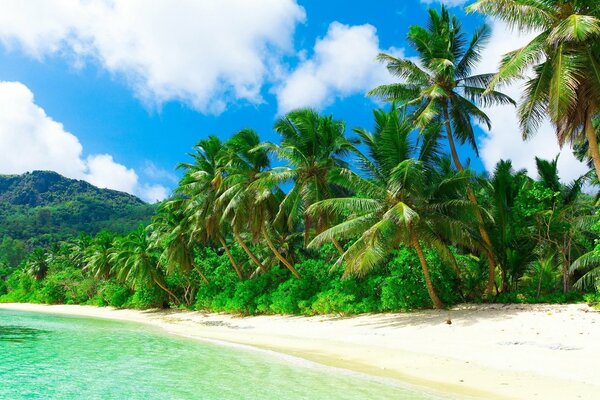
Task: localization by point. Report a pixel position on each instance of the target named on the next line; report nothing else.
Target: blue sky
(117, 95)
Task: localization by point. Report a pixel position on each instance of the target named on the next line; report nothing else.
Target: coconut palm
(37, 264)
(560, 226)
(200, 187)
(590, 264)
(313, 146)
(170, 234)
(134, 262)
(511, 238)
(440, 87)
(246, 205)
(401, 200)
(565, 58)
(97, 259)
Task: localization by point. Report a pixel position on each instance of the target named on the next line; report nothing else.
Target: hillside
(42, 207)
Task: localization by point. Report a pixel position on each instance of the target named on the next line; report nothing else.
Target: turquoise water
(46, 356)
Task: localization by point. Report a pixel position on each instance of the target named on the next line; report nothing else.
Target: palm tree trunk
(592, 139)
(204, 278)
(338, 246)
(248, 251)
(278, 254)
(166, 289)
(437, 303)
(471, 196)
(231, 259)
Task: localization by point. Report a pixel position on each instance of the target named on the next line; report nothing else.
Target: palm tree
(313, 146)
(97, 259)
(200, 187)
(398, 202)
(440, 88)
(511, 237)
(564, 219)
(247, 205)
(170, 234)
(590, 264)
(37, 264)
(133, 262)
(565, 58)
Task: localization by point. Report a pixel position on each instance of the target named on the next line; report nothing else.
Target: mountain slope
(42, 207)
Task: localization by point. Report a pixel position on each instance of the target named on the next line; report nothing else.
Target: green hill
(42, 207)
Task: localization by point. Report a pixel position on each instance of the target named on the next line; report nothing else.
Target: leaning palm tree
(170, 234)
(400, 200)
(134, 263)
(565, 58)
(313, 146)
(97, 259)
(246, 205)
(440, 88)
(200, 188)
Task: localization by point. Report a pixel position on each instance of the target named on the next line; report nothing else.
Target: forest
(389, 217)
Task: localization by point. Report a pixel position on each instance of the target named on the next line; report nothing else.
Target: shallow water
(45, 356)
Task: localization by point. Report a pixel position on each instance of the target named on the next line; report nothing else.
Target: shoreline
(489, 351)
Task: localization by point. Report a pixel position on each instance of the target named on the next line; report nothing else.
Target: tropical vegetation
(383, 218)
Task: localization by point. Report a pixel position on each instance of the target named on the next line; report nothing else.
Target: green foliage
(42, 207)
(382, 222)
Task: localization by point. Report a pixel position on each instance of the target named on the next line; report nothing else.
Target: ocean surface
(44, 356)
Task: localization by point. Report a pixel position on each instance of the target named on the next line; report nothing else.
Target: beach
(487, 351)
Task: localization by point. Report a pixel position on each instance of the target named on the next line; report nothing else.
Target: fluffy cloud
(504, 140)
(343, 63)
(202, 52)
(31, 140)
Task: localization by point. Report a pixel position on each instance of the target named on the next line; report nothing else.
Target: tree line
(382, 216)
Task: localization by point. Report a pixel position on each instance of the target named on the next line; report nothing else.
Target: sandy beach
(486, 352)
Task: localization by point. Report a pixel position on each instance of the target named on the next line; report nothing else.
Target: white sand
(488, 352)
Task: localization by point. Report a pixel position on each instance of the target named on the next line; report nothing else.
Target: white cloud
(205, 53)
(104, 172)
(153, 171)
(504, 140)
(31, 140)
(343, 64)
(153, 193)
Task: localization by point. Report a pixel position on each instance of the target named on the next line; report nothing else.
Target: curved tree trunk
(338, 246)
(471, 196)
(278, 254)
(231, 259)
(437, 303)
(592, 139)
(166, 289)
(248, 251)
(204, 278)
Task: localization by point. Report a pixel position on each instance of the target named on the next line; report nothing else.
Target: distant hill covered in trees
(43, 207)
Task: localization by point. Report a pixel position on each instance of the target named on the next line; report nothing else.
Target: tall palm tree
(565, 58)
(564, 219)
(133, 262)
(170, 233)
(247, 205)
(511, 238)
(97, 259)
(401, 200)
(200, 187)
(440, 88)
(313, 146)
